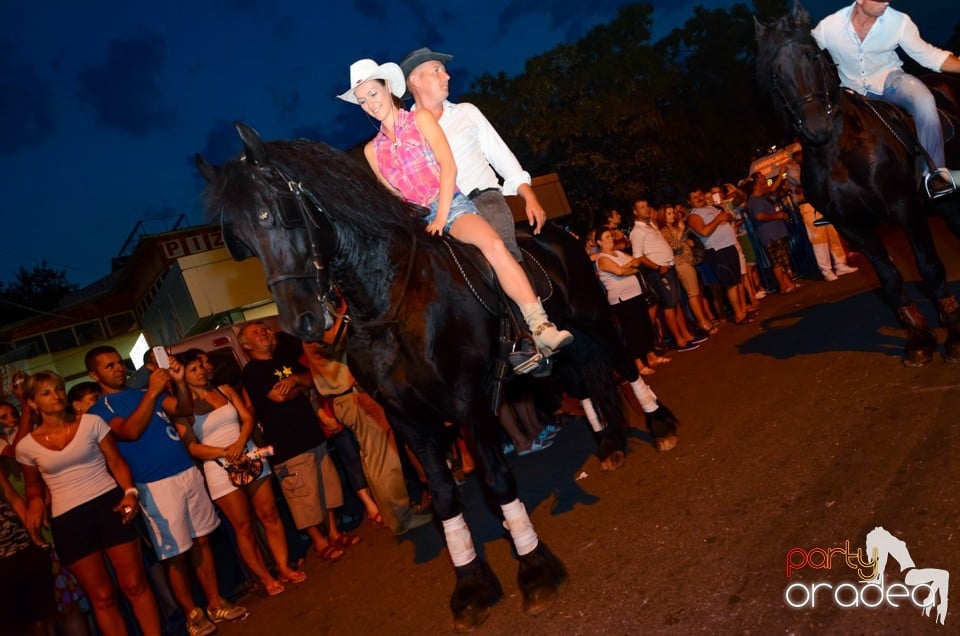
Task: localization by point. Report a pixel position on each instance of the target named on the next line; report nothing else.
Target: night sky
(103, 104)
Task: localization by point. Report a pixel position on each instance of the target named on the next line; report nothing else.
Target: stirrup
(821, 221)
(524, 360)
(947, 176)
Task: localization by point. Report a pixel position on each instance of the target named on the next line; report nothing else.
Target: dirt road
(802, 430)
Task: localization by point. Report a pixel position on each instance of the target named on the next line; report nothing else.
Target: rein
(794, 106)
(308, 207)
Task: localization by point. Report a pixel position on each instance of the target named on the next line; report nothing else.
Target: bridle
(306, 212)
(296, 207)
(827, 96)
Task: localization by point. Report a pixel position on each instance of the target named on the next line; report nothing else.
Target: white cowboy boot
(548, 338)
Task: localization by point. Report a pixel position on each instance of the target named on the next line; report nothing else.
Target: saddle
(902, 126)
(482, 281)
(516, 344)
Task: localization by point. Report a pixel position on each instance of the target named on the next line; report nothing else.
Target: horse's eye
(265, 218)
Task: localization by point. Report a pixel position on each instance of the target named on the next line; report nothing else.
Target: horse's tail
(591, 375)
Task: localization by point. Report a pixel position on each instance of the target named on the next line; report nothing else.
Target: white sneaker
(829, 276)
(760, 294)
(842, 269)
(198, 624)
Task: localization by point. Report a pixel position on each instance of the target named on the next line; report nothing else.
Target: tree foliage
(33, 291)
(620, 117)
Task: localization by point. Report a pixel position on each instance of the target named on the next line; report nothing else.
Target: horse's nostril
(307, 324)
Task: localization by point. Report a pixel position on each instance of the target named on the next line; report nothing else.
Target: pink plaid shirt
(410, 165)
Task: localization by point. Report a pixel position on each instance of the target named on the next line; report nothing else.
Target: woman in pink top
(93, 499)
(412, 158)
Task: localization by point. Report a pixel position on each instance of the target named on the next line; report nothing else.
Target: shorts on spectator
(726, 263)
(90, 527)
(26, 589)
(779, 253)
(177, 510)
(310, 486)
(688, 279)
(747, 248)
(458, 207)
(666, 285)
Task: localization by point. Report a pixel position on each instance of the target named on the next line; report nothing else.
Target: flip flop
(330, 553)
(296, 576)
(275, 588)
(377, 518)
(345, 540)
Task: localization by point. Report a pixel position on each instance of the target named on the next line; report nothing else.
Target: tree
(620, 117)
(33, 291)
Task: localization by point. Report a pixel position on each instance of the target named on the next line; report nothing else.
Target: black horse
(421, 340)
(860, 166)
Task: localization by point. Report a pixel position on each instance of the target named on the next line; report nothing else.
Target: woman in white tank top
(220, 431)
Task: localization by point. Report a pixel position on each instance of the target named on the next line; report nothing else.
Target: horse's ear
(208, 170)
(252, 146)
(800, 15)
(759, 27)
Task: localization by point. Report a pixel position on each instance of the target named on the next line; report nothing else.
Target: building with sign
(170, 286)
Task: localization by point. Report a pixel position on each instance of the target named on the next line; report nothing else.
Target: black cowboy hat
(418, 57)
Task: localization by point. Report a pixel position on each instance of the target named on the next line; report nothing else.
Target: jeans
(459, 206)
(909, 93)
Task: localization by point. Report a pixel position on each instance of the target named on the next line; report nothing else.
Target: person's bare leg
(733, 295)
(93, 576)
(265, 507)
(178, 573)
(127, 565)
(236, 507)
(201, 556)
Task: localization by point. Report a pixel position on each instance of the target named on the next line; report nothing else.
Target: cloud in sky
(124, 90)
(27, 108)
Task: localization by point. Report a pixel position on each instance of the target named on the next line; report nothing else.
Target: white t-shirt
(647, 240)
(76, 474)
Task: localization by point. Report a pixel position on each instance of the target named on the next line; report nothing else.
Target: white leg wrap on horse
(644, 395)
(515, 520)
(459, 541)
(591, 415)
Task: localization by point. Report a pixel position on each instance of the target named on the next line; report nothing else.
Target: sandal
(345, 540)
(377, 518)
(330, 553)
(746, 320)
(295, 576)
(647, 371)
(274, 588)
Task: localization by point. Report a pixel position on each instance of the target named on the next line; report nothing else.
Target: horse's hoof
(539, 578)
(919, 349)
(917, 358)
(476, 591)
(613, 461)
(662, 422)
(666, 443)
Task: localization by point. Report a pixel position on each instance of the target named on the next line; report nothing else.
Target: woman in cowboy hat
(412, 158)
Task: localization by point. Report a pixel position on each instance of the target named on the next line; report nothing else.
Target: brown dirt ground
(801, 430)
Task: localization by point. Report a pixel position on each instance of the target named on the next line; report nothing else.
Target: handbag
(647, 293)
(247, 467)
(243, 471)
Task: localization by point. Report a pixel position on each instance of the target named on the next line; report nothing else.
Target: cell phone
(160, 355)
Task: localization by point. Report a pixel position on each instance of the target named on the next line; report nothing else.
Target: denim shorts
(458, 207)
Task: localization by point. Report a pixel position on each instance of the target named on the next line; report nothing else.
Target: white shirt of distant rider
(864, 65)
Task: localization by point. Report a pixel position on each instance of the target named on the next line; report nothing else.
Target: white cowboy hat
(367, 69)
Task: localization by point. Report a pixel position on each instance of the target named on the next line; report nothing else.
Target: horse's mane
(349, 192)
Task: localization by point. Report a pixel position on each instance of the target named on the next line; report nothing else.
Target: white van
(223, 349)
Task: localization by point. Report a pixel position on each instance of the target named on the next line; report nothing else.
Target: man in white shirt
(862, 40)
(477, 148)
(657, 266)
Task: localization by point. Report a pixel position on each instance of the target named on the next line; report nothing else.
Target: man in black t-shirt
(276, 384)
